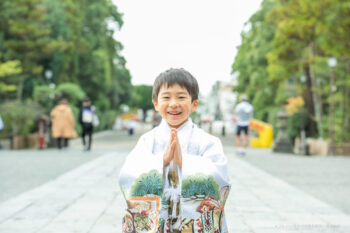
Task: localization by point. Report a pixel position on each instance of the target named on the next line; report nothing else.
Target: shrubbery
(19, 118)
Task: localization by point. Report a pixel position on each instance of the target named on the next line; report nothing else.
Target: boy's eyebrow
(168, 92)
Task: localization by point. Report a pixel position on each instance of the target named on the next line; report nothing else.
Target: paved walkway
(88, 200)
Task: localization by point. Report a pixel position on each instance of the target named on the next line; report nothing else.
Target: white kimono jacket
(196, 203)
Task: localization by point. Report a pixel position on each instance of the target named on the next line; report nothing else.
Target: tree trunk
(316, 95)
(20, 91)
(318, 102)
(309, 102)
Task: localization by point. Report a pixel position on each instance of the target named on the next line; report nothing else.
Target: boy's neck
(180, 126)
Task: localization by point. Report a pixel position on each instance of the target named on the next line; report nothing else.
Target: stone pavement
(88, 200)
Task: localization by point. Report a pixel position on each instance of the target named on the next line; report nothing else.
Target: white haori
(203, 160)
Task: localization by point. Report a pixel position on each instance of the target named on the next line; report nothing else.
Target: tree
(251, 64)
(295, 47)
(142, 98)
(26, 38)
(308, 32)
(19, 117)
(284, 50)
(7, 71)
(75, 39)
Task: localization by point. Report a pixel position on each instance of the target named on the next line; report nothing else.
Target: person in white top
(244, 112)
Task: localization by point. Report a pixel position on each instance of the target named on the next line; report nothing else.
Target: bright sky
(198, 35)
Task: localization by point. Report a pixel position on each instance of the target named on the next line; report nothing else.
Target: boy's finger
(172, 151)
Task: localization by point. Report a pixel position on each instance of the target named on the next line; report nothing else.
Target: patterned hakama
(172, 199)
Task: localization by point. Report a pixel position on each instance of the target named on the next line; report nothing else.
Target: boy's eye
(165, 97)
(182, 97)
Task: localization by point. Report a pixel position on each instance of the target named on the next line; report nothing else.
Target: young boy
(175, 179)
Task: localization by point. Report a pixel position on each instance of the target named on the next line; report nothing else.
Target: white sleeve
(211, 161)
(140, 161)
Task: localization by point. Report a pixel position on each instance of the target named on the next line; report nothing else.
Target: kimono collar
(184, 133)
(164, 126)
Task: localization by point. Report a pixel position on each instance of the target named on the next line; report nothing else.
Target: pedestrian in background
(1, 128)
(244, 113)
(87, 120)
(62, 125)
(131, 126)
(1, 124)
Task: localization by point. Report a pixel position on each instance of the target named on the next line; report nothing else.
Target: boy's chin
(176, 124)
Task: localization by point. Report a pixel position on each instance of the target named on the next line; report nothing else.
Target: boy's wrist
(166, 161)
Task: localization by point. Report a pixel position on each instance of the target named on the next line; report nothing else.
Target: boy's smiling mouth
(174, 113)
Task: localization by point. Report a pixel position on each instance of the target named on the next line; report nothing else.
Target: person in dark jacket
(86, 118)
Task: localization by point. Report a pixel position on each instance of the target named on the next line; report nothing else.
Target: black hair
(176, 76)
(86, 99)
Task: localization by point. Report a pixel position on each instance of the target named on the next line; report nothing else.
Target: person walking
(87, 117)
(1, 124)
(62, 126)
(131, 126)
(244, 112)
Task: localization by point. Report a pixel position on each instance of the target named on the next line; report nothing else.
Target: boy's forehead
(175, 87)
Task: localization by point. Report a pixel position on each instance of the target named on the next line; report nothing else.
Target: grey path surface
(23, 170)
(326, 178)
(87, 199)
(260, 202)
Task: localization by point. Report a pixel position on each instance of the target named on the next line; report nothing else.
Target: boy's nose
(173, 103)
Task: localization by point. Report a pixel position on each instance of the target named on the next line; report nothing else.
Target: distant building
(222, 100)
(218, 106)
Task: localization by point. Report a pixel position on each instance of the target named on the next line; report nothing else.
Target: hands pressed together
(173, 150)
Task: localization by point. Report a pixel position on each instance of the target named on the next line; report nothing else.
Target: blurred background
(284, 55)
(289, 58)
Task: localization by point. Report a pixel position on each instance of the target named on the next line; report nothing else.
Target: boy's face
(175, 104)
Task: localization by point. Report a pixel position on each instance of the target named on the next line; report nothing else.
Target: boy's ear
(195, 105)
(155, 104)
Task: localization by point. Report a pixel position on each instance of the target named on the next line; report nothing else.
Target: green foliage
(70, 91)
(44, 96)
(75, 111)
(142, 98)
(200, 184)
(26, 39)
(47, 97)
(285, 40)
(10, 68)
(72, 38)
(251, 63)
(19, 118)
(7, 71)
(296, 122)
(107, 119)
(148, 183)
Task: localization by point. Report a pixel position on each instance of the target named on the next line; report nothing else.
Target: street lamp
(52, 87)
(332, 62)
(48, 75)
